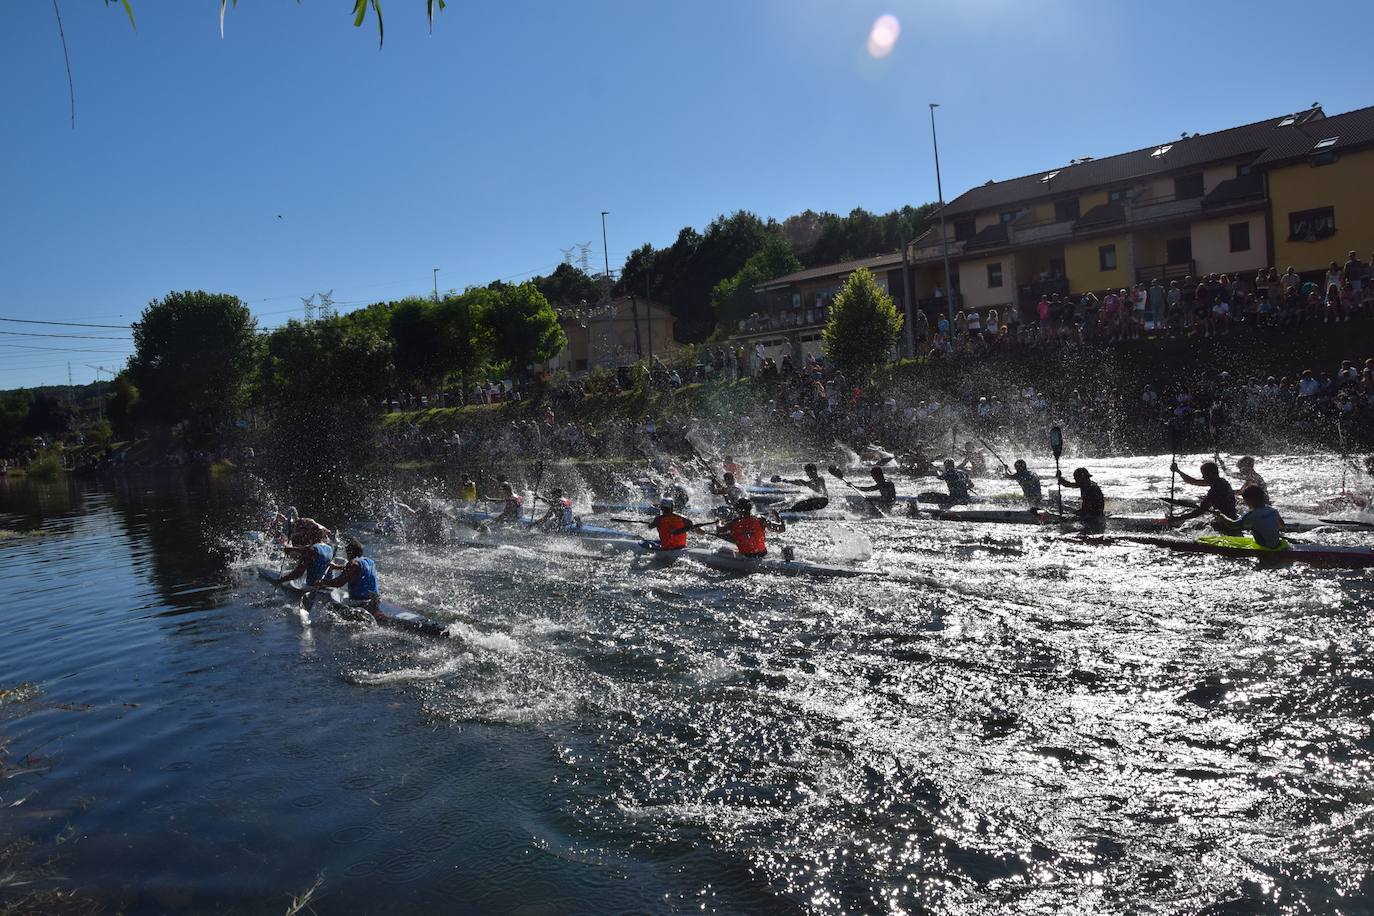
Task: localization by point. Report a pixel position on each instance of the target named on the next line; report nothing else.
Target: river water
(1011, 722)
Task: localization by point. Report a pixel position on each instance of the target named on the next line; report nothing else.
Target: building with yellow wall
(1294, 189)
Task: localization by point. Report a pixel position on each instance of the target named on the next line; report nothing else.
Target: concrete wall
(1081, 259)
(1348, 186)
(1212, 245)
(973, 283)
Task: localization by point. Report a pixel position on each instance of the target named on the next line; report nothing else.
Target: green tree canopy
(568, 286)
(734, 298)
(524, 327)
(14, 415)
(467, 339)
(193, 355)
(421, 359)
(863, 326)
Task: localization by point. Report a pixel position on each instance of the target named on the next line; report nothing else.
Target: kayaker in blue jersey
(359, 575)
(1220, 497)
(304, 531)
(1262, 520)
(1093, 505)
(1029, 481)
(559, 516)
(312, 562)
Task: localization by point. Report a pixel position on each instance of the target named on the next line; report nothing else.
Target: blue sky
(487, 147)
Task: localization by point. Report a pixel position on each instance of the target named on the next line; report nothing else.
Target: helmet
(744, 505)
(666, 503)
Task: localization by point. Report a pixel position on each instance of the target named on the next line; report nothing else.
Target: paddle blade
(835, 472)
(1056, 442)
(811, 504)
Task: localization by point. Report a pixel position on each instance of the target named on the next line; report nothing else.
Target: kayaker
(312, 562)
(467, 490)
(1093, 506)
(1029, 481)
(359, 575)
(672, 528)
(1246, 473)
(1220, 496)
(957, 481)
(748, 531)
(973, 462)
(732, 468)
(305, 530)
(1262, 519)
(886, 490)
(727, 488)
(511, 505)
(813, 480)
(559, 516)
(429, 523)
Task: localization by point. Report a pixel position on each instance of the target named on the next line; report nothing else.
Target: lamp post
(436, 284)
(944, 239)
(634, 306)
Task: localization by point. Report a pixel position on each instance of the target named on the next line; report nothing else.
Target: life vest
(366, 585)
(469, 493)
(320, 555)
(748, 535)
(672, 531)
(564, 517)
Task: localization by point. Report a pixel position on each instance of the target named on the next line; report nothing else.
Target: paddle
(994, 454)
(810, 504)
(1174, 429)
(534, 497)
(1057, 447)
(839, 475)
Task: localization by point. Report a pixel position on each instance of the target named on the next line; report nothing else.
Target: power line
(70, 336)
(11, 346)
(67, 324)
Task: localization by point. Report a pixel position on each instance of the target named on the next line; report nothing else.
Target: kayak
(726, 559)
(1327, 555)
(383, 612)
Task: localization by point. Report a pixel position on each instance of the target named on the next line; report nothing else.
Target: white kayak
(382, 612)
(726, 559)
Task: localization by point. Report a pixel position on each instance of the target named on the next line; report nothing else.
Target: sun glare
(883, 36)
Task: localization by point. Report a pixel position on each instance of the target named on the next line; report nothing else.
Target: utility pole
(649, 304)
(906, 300)
(436, 284)
(944, 239)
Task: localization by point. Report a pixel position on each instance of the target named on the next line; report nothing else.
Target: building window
(964, 229)
(1066, 210)
(1106, 257)
(1118, 194)
(995, 275)
(1240, 236)
(1186, 187)
(1179, 251)
(1312, 225)
(1009, 216)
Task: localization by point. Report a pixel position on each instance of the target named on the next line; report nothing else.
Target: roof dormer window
(1289, 121)
(1159, 153)
(1049, 176)
(1325, 144)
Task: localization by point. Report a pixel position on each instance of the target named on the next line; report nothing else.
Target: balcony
(1030, 294)
(787, 320)
(1166, 272)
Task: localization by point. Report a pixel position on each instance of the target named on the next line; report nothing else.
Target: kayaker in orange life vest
(747, 530)
(672, 528)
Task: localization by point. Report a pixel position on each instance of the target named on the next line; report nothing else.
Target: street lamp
(944, 239)
(436, 284)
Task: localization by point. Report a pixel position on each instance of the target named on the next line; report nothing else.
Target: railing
(790, 320)
(1166, 272)
(1029, 294)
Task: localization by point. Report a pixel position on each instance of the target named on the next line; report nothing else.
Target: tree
(14, 416)
(123, 405)
(525, 328)
(464, 335)
(734, 298)
(863, 326)
(194, 353)
(568, 286)
(49, 415)
(421, 360)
